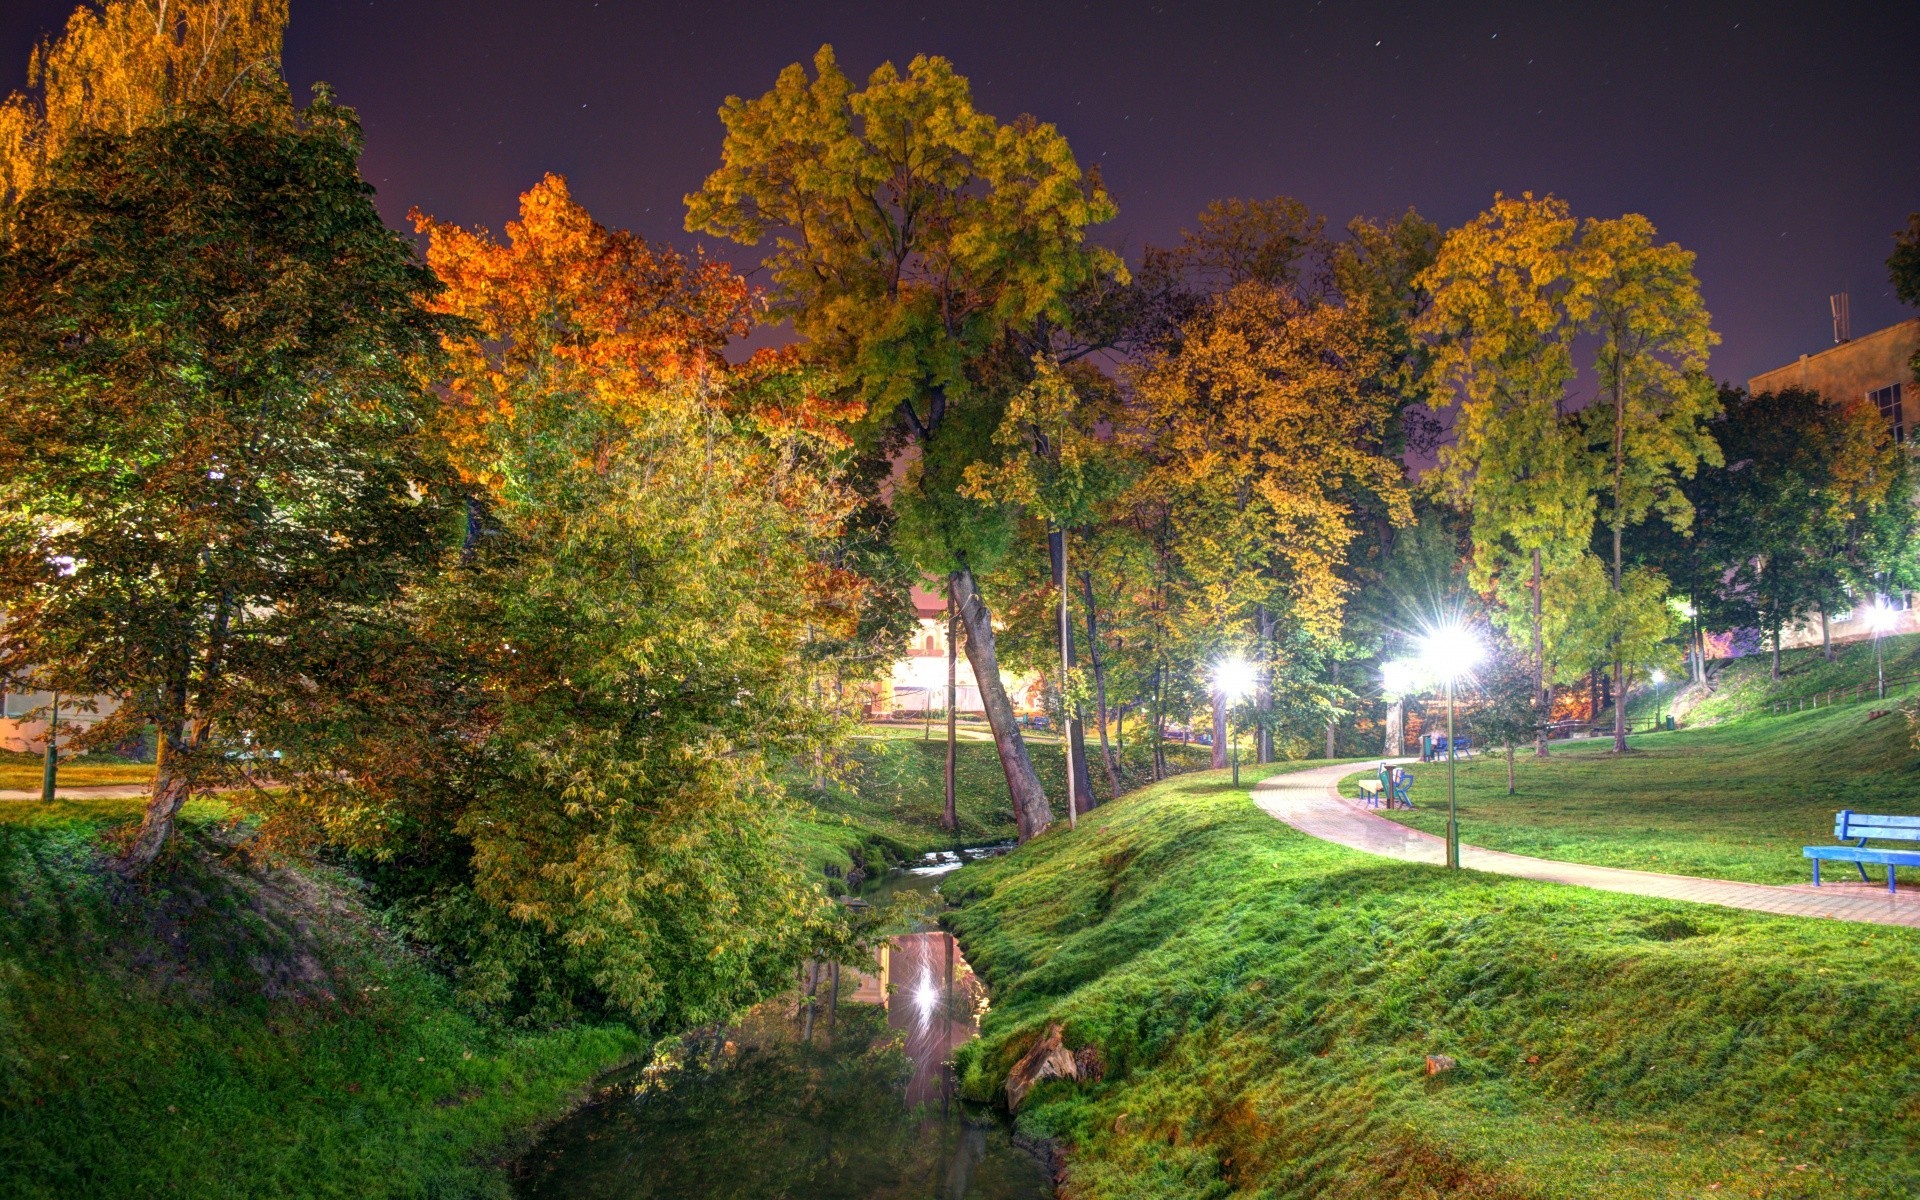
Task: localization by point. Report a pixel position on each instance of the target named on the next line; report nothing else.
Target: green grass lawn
(24, 771)
(1263, 1004)
(228, 1032)
(1731, 801)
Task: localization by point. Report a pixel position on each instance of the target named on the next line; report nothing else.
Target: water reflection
(840, 1090)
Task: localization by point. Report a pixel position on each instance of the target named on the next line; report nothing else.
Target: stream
(853, 1100)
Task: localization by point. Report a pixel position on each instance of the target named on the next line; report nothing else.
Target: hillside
(1262, 1004)
(227, 1031)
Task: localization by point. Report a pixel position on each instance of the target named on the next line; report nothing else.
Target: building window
(1888, 398)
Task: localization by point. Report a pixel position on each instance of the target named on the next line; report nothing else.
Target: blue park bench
(1393, 786)
(1848, 824)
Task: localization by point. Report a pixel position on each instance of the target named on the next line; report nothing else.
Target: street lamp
(1880, 618)
(1659, 677)
(1450, 652)
(1234, 679)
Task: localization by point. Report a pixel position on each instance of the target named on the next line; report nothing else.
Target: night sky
(1781, 144)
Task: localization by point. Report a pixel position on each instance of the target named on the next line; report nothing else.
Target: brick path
(1310, 802)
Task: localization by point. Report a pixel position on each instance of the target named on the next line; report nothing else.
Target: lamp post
(1658, 677)
(52, 768)
(1233, 679)
(1881, 617)
(1448, 653)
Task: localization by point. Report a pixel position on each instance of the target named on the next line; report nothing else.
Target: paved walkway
(1310, 802)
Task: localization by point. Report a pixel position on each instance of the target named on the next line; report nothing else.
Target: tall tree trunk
(172, 785)
(1775, 674)
(1263, 690)
(1510, 768)
(1219, 730)
(1333, 723)
(1619, 527)
(1099, 684)
(1593, 696)
(1075, 734)
(951, 817)
(1540, 749)
(1826, 636)
(1396, 729)
(1030, 811)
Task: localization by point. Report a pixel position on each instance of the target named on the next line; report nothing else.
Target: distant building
(1878, 367)
(918, 681)
(23, 718)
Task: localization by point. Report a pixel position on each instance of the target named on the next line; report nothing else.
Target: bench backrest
(1848, 824)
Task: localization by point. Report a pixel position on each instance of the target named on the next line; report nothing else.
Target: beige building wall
(1860, 367)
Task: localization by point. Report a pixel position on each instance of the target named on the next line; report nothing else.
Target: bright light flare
(1882, 617)
(1451, 651)
(1659, 677)
(1233, 678)
(926, 996)
(1401, 677)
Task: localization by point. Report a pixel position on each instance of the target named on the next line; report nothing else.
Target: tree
(1903, 271)
(912, 234)
(211, 351)
(129, 63)
(1257, 430)
(1507, 711)
(1643, 302)
(1502, 344)
(1811, 506)
(565, 770)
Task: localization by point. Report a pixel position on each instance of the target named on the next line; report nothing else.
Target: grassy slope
(232, 1033)
(1263, 1003)
(1730, 801)
(1743, 686)
(888, 805)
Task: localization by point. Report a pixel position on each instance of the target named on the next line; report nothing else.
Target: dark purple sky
(1781, 143)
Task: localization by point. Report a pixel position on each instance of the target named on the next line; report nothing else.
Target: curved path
(1310, 802)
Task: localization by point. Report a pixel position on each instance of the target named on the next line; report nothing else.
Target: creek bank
(1264, 1005)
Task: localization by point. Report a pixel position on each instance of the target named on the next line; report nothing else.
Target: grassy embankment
(1732, 800)
(886, 806)
(1263, 1003)
(230, 1032)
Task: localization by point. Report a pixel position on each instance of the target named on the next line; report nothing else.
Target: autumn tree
(212, 354)
(1256, 430)
(910, 234)
(122, 64)
(565, 770)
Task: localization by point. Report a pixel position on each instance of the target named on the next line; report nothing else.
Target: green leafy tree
(563, 764)
(211, 352)
(912, 235)
(1506, 710)
(1502, 341)
(1650, 426)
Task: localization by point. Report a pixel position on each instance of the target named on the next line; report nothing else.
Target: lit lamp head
(1233, 678)
(1659, 677)
(1450, 651)
(1881, 617)
(1399, 678)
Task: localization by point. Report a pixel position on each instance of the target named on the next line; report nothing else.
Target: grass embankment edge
(1264, 1003)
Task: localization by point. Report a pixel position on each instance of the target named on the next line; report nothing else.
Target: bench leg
(1816, 872)
(1889, 878)
(1862, 868)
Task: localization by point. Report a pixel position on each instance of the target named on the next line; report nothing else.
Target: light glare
(1233, 678)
